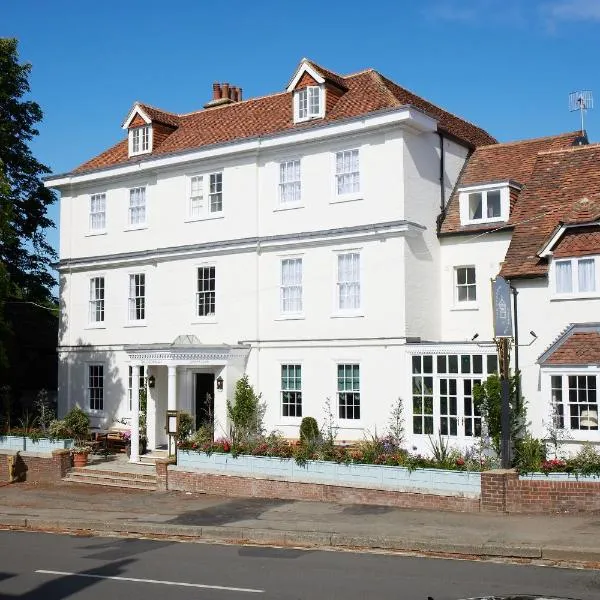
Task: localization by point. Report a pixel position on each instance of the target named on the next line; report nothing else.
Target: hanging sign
(501, 298)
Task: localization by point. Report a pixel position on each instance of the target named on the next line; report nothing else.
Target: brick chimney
(223, 93)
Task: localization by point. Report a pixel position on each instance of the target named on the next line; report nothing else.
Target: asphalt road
(53, 567)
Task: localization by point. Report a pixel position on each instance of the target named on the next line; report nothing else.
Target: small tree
(488, 400)
(45, 413)
(309, 430)
(396, 423)
(246, 413)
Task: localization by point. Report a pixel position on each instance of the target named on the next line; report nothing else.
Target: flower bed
(25, 443)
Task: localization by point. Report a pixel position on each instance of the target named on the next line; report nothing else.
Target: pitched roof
(579, 344)
(328, 75)
(510, 161)
(366, 92)
(564, 187)
(160, 116)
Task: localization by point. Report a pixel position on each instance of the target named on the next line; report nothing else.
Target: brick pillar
(162, 473)
(494, 489)
(61, 462)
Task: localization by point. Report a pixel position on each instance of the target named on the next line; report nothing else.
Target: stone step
(112, 479)
(150, 475)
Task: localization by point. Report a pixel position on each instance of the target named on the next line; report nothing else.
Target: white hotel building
(323, 240)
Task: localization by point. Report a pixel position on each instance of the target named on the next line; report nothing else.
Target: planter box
(381, 477)
(567, 477)
(25, 444)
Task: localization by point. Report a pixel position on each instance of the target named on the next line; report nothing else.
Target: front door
(205, 398)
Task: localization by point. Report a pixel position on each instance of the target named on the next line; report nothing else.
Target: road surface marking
(136, 580)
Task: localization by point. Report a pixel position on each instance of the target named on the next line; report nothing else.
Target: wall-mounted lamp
(474, 337)
(151, 381)
(220, 383)
(533, 334)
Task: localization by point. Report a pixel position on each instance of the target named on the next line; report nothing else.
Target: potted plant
(78, 424)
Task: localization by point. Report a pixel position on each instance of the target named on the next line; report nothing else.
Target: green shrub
(57, 430)
(309, 430)
(77, 424)
(530, 453)
(185, 426)
(246, 413)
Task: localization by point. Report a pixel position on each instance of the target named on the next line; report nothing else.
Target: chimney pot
(225, 90)
(216, 90)
(239, 94)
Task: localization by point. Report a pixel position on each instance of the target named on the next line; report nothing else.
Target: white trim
(574, 294)
(136, 109)
(339, 419)
(464, 304)
(86, 387)
(304, 67)
(130, 136)
(309, 116)
(338, 312)
(482, 187)
(549, 247)
(484, 190)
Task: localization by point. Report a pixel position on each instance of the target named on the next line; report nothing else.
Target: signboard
(501, 299)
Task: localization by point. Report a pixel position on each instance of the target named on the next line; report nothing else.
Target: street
(53, 567)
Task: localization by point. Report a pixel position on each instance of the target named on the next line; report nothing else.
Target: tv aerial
(582, 101)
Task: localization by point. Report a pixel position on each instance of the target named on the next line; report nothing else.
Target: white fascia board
(547, 249)
(485, 186)
(137, 109)
(408, 117)
(304, 68)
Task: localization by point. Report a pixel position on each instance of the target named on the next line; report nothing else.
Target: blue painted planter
(436, 481)
(25, 444)
(559, 477)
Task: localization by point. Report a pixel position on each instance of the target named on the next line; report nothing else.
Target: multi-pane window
(96, 314)
(466, 287)
(557, 406)
(348, 281)
(575, 276)
(205, 295)
(574, 401)
(289, 182)
(309, 102)
(484, 205)
(137, 297)
(196, 206)
(95, 387)
(291, 390)
(137, 206)
(98, 212)
(215, 193)
(141, 384)
(291, 285)
(347, 172)
(422, 394)
(140, 140)
(348, 385)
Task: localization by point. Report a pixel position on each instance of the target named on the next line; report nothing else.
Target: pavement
(198, 517)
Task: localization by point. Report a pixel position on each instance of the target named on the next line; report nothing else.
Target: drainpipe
(442, 175)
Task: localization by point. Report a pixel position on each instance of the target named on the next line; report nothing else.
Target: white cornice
(136, 110)
(304, 67)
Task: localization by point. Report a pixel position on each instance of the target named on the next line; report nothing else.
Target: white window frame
(354, 194)
(131, 210)
(574, 293)
(132, 300)
(285, 287)
(464, 201)
(206, 185)
(142, 382)
(302, 97)
(89, 388)
(354, 391)
(140, 140)
(290, 183)
(211, 316)
(295, 390)
(464, 303)
(94, 229)
(97, 300)
(340, 311)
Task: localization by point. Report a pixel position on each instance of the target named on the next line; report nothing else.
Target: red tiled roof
(565, 186)
(579, 348)
(328, 75)
(367, 92)
(511, 161)
(578, 241)
(160, 116)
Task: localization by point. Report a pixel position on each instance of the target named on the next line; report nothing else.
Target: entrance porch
(187, 376)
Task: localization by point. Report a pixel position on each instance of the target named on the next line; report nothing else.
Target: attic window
(484, 204)
(308, 103)
(140, 140)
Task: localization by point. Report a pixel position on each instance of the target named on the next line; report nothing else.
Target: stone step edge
(111, 483)
(109, 473)
(119, 476)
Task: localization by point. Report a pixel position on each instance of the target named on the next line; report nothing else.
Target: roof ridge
(532, 140)
(361, 72)
(168, 112)
(571, 149)
(212, 108)
(380, 80)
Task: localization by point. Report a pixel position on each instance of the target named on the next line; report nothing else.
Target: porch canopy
(184, 351)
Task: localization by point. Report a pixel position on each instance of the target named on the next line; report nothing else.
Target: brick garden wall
(36, 468)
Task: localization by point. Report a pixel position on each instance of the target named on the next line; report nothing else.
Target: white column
(151, 414)
(172, 399)
(135, 414)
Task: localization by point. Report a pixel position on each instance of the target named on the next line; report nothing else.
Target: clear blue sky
(507, 65)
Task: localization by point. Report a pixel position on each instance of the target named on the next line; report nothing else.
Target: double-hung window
(289, 182)
(309, 103)
(215, 194)
(98, 213)
(205, 196)
(196, 201)
(348, 385)
(484, 204)
(348, 281)
(140, 140)
(142, 383)
(574, 401)
(291, 286)
(205, 294)
(465, 284)
(291, 390)
(96, 306)
(137, 297)
(137, 207)
(576, 276)
(347, 172)
(95, 387)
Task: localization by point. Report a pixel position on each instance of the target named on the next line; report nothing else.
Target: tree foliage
(246, 413)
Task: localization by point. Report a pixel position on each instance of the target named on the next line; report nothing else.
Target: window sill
(135, 227)
(485, 221)
(95, 233)
(290, 317)
(466, 306)
(211, 217)
(95, 326)
(284, 207)
(204, 321)
(140, 153)
(346, 198)
(305, 119)
(562, 297)
(347, 315)
(136, 324)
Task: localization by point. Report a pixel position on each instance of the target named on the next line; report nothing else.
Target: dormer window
(484, 204)
(140, 140)
(309, 103)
